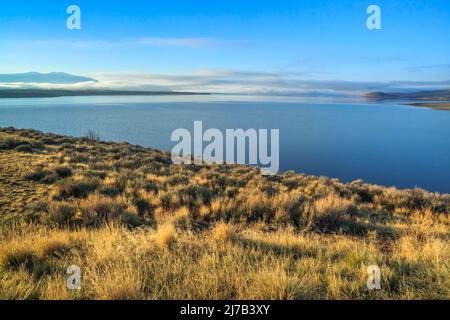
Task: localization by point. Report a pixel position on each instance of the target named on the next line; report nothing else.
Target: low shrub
(54, 248)
(43, 175)
(109, 190)
(97, 209)
(63, 171)
(327, 213)
(19, 258)
(15, 259)
(61, 213)
(76, 188)
(26, 147)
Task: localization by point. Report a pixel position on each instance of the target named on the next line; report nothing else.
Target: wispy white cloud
(238, 82)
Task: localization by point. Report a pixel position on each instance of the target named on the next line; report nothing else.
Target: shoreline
(53, 93)
(250, 167)
(431, 105)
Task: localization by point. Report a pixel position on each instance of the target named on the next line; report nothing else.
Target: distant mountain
(37, 77)
(430, 95)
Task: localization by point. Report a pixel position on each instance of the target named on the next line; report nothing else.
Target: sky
(245, 46)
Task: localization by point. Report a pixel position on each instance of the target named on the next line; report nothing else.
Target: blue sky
(223, 45)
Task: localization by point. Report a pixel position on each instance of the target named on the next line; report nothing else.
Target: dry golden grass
(141, 228)
(223, 232)
(182, 214)
(166, 234)
(325, 213)
(117, 263)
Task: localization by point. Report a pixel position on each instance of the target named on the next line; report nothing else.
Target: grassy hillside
(142, 228)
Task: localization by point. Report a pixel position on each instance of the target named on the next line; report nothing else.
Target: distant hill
(37, 77)
(430, 95)
(47, 93)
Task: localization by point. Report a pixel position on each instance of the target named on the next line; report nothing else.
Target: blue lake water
(383, 144)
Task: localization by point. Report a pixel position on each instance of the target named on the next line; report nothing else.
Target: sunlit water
(383, 144)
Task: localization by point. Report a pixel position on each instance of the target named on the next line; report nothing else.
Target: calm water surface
(382, 144)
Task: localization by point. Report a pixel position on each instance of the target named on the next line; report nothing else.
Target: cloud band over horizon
(230, 82)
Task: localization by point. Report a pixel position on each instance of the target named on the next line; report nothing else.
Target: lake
(386, 144)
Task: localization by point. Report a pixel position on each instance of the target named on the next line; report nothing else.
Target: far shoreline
(431, 105)
(56, 93)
